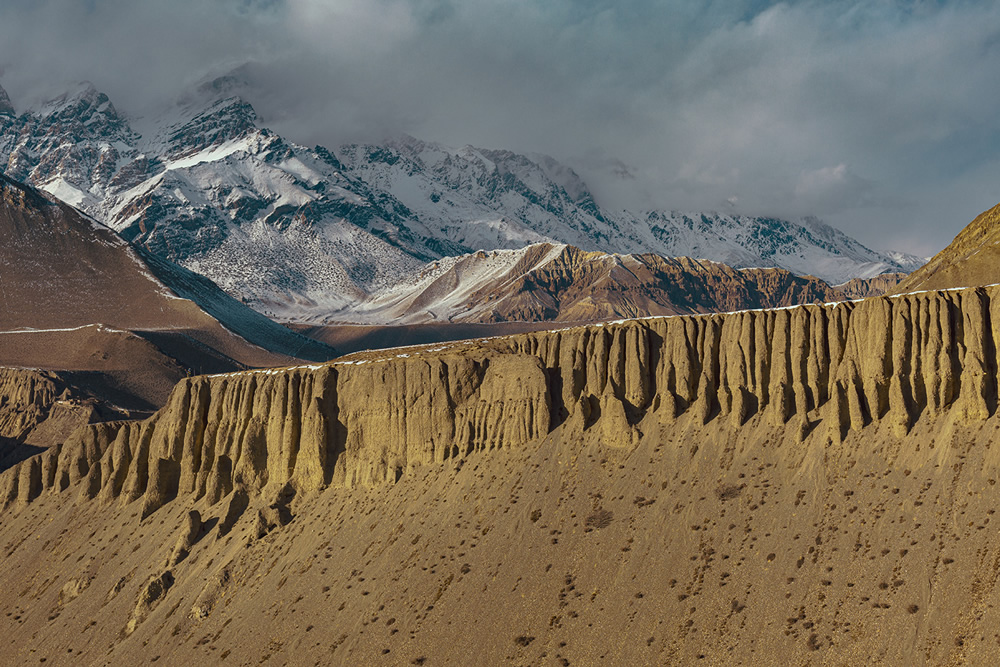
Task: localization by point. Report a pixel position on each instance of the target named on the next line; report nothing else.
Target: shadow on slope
(232, 314)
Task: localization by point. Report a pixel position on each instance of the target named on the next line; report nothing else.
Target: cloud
(878, 116)
(832, 189)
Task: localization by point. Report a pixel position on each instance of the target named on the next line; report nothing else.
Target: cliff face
(25, 399)
(815, 371)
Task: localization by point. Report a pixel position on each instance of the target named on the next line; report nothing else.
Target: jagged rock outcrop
(816, 371)
(60, 466)
(26, 397)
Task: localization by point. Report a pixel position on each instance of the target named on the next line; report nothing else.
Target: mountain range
(299, 233)
(970, 259)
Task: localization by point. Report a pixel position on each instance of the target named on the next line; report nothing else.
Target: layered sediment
(816, 371)
(862, 288)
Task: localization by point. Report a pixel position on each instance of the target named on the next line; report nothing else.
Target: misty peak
(88, 110)
(83, 92)
(407, 144)
(224, 120)
(233, 112)
(212, 91)
(223, 86)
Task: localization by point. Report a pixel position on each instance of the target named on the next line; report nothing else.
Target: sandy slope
(738, 552)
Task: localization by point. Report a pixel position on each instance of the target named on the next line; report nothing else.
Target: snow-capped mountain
(298, 232)
(486, 199)
(74, 146)
(272, 222)
(483, 199)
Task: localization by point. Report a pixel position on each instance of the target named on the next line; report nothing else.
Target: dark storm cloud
(878, 116)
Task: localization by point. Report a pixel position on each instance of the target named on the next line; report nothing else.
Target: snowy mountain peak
(226, 120)
(83, 91)
(87, 110)
(493, 169)
(225, 86)
(72, 145)
(565, 177)
(237, 82)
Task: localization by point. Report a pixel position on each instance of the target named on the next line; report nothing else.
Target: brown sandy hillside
(61, 270)
(972, 259)
(812, 485)
(75, 296)
(590, 286)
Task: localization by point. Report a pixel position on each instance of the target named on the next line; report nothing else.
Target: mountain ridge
(561, 283)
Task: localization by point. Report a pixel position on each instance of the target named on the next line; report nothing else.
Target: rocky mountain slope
(75, 296)
(812, 483)
(971, 259)
(299, 232)
(559, 283)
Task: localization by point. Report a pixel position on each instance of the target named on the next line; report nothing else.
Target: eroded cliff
(822, 370)
(815, 483)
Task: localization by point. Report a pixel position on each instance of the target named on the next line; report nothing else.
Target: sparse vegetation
(599, 519)
(728, 491)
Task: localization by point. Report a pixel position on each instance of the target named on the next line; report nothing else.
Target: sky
(880, 117)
